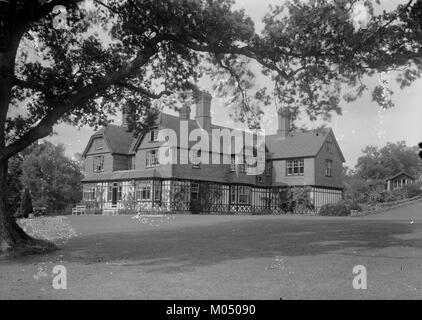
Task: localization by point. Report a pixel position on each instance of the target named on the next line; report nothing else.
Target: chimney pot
(284, 122)
(203, 110)
(125, 117)
(184, 113)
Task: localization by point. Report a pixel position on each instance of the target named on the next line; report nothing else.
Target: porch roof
(403, 172)
(122, 175)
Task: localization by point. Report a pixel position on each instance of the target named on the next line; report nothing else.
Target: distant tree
(53, 178)
(14, 184)
(79, 160)
(380, 163)
(26, 204)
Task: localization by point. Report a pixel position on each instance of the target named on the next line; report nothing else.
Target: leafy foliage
(339, 209)
(54, 179)
(380, 163)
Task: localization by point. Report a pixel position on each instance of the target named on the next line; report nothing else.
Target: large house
(122, 170)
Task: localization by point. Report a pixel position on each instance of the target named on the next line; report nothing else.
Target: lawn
(220, 257)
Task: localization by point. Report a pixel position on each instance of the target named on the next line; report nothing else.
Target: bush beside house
(339, 209)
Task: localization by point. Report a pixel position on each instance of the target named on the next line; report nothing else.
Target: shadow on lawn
(182, 249)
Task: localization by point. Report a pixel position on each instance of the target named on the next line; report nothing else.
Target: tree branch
(143, 91)
(31, 85)
(65, 104)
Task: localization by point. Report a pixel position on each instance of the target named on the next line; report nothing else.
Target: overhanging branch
(144, 91)
(67, 103)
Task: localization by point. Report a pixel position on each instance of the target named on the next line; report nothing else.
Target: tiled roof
(118, 139)
(173, 122)
(122, 175)
(399, 174)
(296, 144)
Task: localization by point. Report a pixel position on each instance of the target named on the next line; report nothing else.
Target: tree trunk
(12, 238)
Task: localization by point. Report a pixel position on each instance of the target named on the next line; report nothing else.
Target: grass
(222, 257)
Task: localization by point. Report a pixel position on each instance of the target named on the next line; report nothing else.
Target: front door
(114, 195)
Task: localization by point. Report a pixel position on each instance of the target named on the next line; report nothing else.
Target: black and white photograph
(210, 150)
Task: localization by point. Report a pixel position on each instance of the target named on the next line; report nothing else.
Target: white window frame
(194, 189)
(244, 195)
(143, 191)
(152, 158)
(295, 167)
(89, 192)
(98, 166)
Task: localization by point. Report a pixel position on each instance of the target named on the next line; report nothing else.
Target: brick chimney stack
(284, 122)
(203, 110)
(184, 113)
(125, 117)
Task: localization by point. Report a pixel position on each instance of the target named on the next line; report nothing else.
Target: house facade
(124, 171)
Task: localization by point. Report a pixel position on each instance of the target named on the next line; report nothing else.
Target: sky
(362, 123)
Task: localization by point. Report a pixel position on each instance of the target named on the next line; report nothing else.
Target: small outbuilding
(399, 180)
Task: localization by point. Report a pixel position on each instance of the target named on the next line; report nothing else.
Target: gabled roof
(295, 145)
(298, 144)
(117, 138)
(173, 122)
(403, 172)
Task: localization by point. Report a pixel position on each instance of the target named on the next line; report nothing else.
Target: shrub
(412, 190)
(365, 191)
(293, 200)
(339, 209)
(352, 205)
(300, 202)
(393, 195)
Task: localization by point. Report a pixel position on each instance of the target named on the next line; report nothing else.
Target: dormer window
(152, 158)
(99, 143)
(153, 135)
